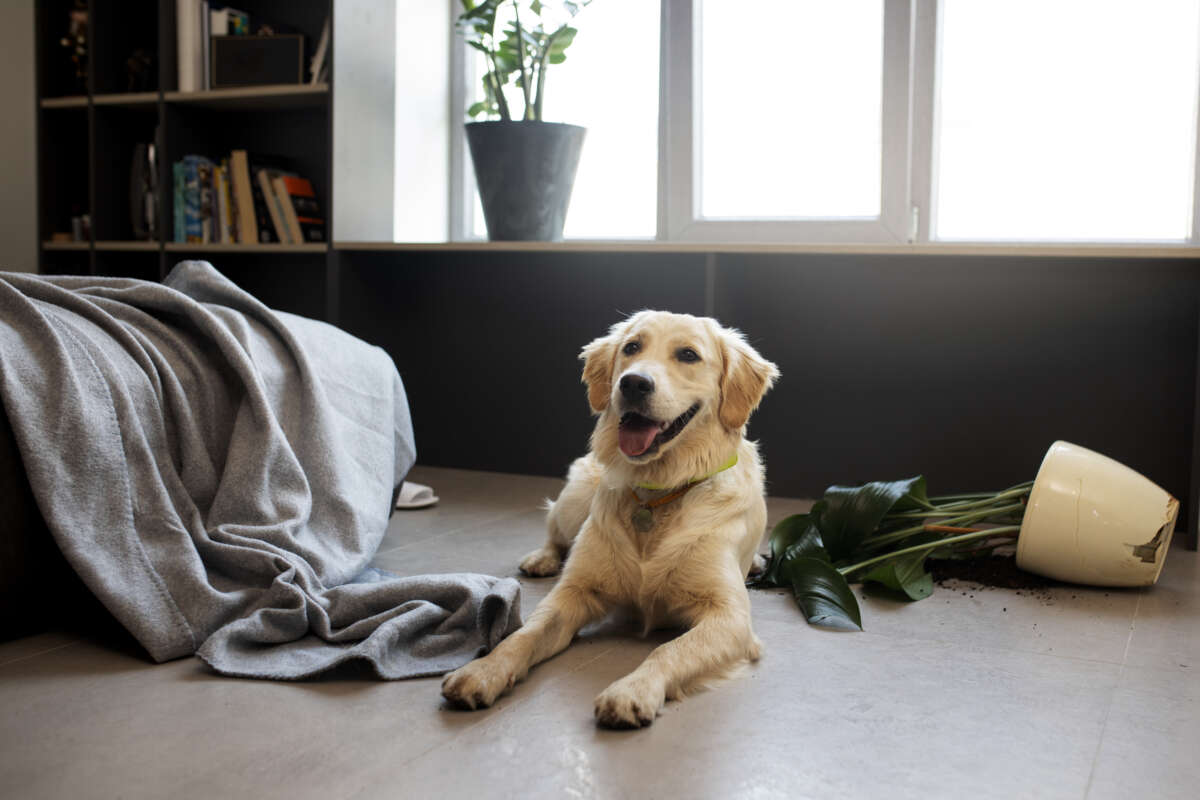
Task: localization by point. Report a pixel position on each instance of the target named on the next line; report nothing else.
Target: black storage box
(256, 60)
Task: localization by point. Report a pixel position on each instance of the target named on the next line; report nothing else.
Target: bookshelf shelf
(146, 100)
(132, 246)
(74, 101)
(263, 249)
(255, 98)
(91, 130)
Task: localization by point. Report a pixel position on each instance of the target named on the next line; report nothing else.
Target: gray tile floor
(1075, 693)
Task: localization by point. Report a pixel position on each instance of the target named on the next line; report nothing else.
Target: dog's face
(662, 380)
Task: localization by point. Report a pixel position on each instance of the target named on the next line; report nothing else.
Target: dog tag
(643, 519)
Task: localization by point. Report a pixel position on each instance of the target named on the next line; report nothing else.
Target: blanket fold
(220, 475)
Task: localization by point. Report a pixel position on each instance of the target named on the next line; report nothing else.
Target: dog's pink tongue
(636, 439)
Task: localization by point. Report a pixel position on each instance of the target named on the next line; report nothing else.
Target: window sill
(1127, 251)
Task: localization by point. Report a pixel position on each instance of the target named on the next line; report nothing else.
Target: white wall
(423, 35)
(364, 116)
(391, 106)
(18, 144)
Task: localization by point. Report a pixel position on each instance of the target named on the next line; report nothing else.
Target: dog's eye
(631, 347)
(687, 355)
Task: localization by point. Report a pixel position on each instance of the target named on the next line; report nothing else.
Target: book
(177, 178)
(317, 65)
(205, 49)
(300, 207)
(192, 232)
(189, 46)
(225, 214)
(266, 178)
(206, 199)
(243, 197)
(262, 213)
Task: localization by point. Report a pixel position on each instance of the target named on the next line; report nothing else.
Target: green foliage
(849, 514)
(879, 533)
(537, 36)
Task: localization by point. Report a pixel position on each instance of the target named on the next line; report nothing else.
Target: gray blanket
(220, 475)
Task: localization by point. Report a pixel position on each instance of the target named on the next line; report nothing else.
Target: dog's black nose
(635, 386)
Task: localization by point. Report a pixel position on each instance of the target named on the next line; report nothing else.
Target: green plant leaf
(906, 575)
(793, 537)
(561, 39)
(848, 514)
(915, 498)
(822, 593)
(478, 108)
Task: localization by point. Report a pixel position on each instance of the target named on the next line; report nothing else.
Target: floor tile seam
(47, 651)
(1112, 700)
(508, 708)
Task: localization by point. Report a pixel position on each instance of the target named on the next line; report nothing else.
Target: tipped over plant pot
(1084, 519)
(524, 167)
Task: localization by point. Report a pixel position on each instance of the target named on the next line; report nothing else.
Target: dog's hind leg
(564, 517)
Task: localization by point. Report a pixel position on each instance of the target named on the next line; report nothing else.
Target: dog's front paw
(758, 566)
(628, 703)
(542, 563)
(476, 685)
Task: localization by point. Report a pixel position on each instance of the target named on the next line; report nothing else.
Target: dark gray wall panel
(965, 369)
(488, 343)
(961, 368)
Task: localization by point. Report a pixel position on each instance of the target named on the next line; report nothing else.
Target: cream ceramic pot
(1094, 521)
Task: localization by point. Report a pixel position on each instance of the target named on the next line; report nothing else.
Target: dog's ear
(598, 358)
(746, 379)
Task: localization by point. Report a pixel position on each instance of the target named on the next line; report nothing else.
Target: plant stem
(893, 536)
(952, 509)
(521, 61)
(501, 102)
(966, 537)
(953, 499)
(541, 75)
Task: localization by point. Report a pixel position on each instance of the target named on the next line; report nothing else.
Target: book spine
(179, 234)
(273, 208)
(187, 44)
(289, 210)
(243, 195)
(192, 224)
(265, 232)
(204, 170)
(308, 212)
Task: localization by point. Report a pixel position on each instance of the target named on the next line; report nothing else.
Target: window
(1072, 119)
(883, 121)
(609, 85)
(790, 126)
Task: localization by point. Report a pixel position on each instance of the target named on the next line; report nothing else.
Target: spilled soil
(992, 571)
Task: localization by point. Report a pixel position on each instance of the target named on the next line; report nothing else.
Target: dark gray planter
(525, 171)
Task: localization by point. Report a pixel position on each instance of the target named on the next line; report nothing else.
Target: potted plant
(524, 167)
(1085, 519)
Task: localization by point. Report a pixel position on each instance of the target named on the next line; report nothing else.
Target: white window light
(787, 121)
(1066, 120)
(1022, 120)
(609, 85)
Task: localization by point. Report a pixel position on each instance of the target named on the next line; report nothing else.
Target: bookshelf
(87, 131)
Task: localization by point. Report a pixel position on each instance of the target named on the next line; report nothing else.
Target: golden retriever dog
(664, 517)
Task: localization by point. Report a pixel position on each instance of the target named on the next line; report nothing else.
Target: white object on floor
(1095, 521)
(415, 495)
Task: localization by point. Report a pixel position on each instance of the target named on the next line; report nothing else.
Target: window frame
(679, 150)
(911, 60)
